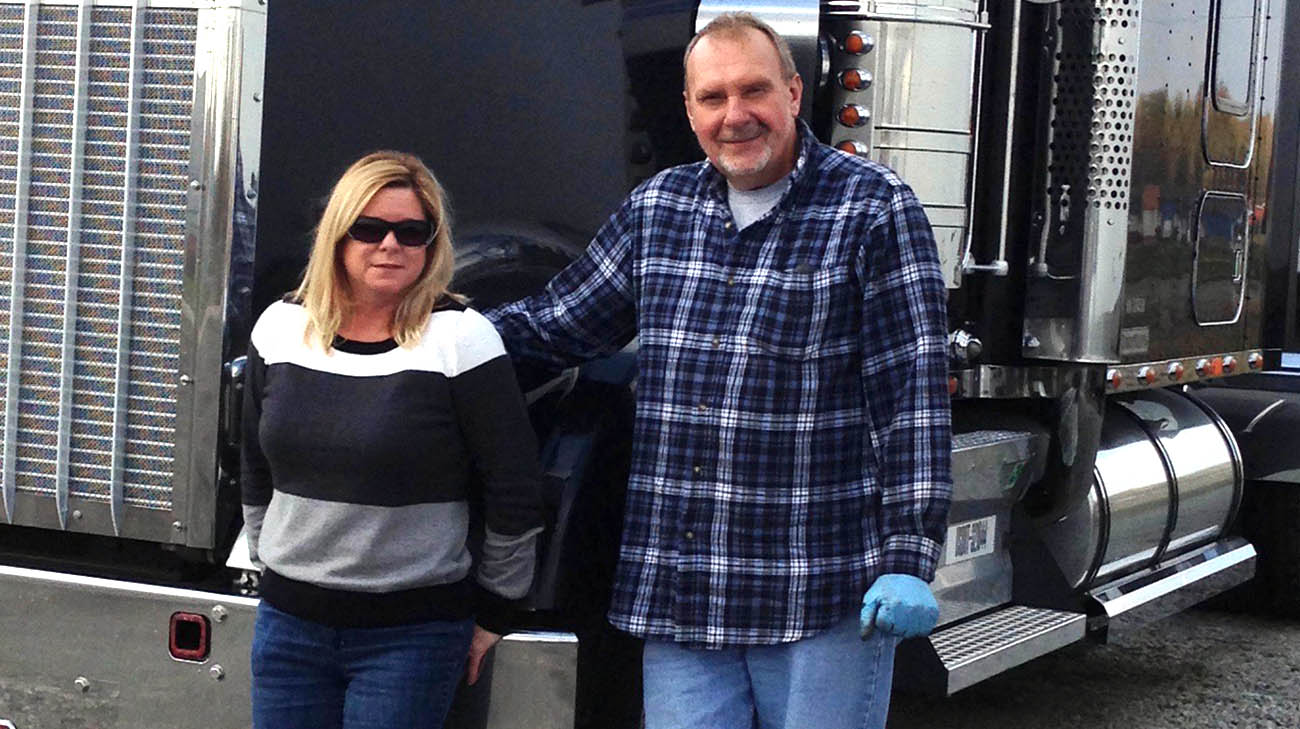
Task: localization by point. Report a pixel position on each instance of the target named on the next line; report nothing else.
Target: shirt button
(727, 225)
(689, 535)
(701, 407)
(698, 470)
(717, 342)
(731, 280)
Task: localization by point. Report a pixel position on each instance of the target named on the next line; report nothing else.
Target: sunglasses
(410, 233)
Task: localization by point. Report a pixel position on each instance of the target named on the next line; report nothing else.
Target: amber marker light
(857, 43)
(1255, 360)
(1176, 371)
(1147, 375)
(853, 146)
(1216, 367)
(1115, 379)
(854, 79)
(1229, 364)
(852, 115)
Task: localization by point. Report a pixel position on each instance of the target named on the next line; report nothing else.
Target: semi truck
(1112, 188)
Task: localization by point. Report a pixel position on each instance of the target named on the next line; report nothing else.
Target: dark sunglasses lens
(368, 231)
(412, 234)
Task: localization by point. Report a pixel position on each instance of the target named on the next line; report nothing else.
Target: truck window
(1233, 69)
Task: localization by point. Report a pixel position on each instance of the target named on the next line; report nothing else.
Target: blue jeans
(310, 675)
(833, 680)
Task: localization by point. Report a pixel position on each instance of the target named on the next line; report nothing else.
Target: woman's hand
(479, 645)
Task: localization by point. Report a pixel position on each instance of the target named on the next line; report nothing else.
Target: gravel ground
(1201, 669)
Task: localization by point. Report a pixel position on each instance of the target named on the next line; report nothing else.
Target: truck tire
(1270, 519)
(508, 262)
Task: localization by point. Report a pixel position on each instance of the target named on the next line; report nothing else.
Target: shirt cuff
(911, 554)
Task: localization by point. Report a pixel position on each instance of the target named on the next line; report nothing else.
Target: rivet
(178, 526)
(217, 672)
(219, 613)
(76, 513)
(186, 379)
(82, 683)
(196, 185)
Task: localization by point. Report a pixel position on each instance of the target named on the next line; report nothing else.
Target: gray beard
(730, 170)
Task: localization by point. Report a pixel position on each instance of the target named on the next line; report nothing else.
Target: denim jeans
(833, 680)
(310, 675)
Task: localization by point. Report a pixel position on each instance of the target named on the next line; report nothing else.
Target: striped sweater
(359, 468)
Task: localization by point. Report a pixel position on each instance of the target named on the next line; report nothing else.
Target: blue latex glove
(898, 605)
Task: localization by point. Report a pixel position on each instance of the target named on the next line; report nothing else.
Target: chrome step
(1170, 587)
(962, 655)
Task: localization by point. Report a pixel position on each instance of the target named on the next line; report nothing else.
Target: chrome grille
(92, 248)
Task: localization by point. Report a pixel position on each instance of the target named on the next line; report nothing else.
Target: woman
(374, 399)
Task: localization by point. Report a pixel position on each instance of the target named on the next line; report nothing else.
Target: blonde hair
(734, 25)
(324, 290)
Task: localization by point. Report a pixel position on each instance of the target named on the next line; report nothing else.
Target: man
(792, 440)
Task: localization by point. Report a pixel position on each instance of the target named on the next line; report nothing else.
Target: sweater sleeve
(503, 449)
(255, 472)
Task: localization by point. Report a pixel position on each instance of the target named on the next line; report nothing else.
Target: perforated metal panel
(1095, 96)
(1076, 270)
(95, 120)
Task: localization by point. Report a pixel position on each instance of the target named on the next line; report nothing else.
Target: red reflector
(189, 637)
(851, 79)
(854, 43)
(1216, 366)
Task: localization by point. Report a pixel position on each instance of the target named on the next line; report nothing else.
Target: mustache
(742, 134)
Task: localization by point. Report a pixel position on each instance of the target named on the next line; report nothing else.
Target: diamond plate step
(960, 656)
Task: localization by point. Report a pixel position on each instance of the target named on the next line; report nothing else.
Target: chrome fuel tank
(1167, 478)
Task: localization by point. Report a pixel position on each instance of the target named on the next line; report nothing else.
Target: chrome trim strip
(1180, 578)
(1003, 381)
(122, 363)
(933, 130)
(76, 166)
(972, 24)
(541, 637)
(123, 586)
(18, 275)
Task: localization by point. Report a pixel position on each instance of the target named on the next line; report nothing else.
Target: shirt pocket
(784, 323)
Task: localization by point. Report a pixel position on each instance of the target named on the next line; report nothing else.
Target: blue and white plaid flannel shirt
(792, 437)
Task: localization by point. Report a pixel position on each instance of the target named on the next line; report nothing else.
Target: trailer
(1112, 186)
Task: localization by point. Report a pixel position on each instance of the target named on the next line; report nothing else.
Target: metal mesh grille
(75, 236)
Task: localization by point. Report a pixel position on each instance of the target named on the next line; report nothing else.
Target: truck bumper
(92, 652)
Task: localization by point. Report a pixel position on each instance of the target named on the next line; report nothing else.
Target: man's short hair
(733, 25)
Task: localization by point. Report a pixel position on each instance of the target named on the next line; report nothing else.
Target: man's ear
(796, 94)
